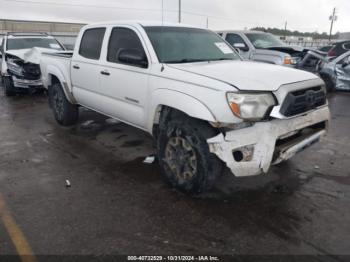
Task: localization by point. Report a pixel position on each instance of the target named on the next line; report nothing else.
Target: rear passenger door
(86, 67)
(125, 83)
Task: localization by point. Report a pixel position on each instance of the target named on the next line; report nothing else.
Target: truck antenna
(162, 12)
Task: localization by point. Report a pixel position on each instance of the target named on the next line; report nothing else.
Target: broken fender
(251, 151)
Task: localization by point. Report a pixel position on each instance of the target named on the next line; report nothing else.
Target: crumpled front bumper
(258, 145)
(26, 84)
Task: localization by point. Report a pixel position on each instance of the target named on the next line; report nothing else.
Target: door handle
(105, 72)
(76, 67)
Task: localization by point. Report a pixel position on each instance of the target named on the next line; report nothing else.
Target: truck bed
(61, 61)
(65, 54)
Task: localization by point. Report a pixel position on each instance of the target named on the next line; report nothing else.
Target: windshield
(28, 43)
(186, 45)
(264, 41)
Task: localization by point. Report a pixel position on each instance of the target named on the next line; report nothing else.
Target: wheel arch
(174, 100)
(54, 75)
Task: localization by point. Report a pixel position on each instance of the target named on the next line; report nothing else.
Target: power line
(35, 2)
(125, 8)
(84, 5)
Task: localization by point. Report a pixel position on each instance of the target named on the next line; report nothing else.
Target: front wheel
(8, 87)
(66, 114)
(184, 156)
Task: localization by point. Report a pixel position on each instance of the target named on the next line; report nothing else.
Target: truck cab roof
(145, 23)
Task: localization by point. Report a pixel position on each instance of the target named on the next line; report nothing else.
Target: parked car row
(207, 109)
(264, 47)
(328, 61)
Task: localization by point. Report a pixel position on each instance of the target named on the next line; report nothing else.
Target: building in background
(66, 33)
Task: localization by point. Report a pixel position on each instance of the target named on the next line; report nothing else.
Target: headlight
(289, 61)
(251, 106)
(15, 69)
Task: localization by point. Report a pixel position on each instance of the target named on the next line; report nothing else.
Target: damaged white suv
(20, 58)
(205, 107)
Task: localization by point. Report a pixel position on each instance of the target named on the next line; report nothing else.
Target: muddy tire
(66, 114)
(8, 87)
(184, 156)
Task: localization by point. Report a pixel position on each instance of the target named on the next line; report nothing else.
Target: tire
(329, 83)
(8, 87)
(184, 156)
(66, 114)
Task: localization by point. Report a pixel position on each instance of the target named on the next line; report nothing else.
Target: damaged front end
(312, 61)
(298, 121)
(342, 75)
(303, 58)
(25, 76)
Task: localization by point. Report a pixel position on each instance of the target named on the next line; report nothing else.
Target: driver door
(124, 84)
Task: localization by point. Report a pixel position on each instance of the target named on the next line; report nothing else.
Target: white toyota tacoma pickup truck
(206, 108)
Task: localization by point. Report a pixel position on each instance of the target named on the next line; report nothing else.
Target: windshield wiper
(182, 61)
(221, 59)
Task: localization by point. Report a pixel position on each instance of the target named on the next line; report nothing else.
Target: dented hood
(32, 55)
(247, 76)
(288, 49)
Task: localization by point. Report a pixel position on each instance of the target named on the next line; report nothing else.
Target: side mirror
(241, 47)
(346, 63)
(0, 55)
(134, 57)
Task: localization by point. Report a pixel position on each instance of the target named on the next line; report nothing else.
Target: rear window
(91, 43)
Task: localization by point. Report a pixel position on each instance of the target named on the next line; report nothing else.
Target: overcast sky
(303, 15)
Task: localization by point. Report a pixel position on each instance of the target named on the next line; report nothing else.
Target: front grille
(31, 71)
(302, 101)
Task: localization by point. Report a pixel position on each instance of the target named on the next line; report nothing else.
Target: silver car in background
(264, 47)
(336, 73)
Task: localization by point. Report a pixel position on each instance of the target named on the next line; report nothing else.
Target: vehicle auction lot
(118, 205)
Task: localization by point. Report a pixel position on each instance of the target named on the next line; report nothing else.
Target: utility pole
(332, 18)
(180, 11)
(285, 30)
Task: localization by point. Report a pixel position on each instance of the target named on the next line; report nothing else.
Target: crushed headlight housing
(251, 106)
(289, 61)
(15, 68)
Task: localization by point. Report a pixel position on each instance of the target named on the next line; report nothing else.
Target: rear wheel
(8, 87)
(66, 114)
(184, 155)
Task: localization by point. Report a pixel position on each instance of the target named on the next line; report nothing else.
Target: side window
(236, 41)
(347, 46)
(91, 43)
(220, 34)
(125, 47)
